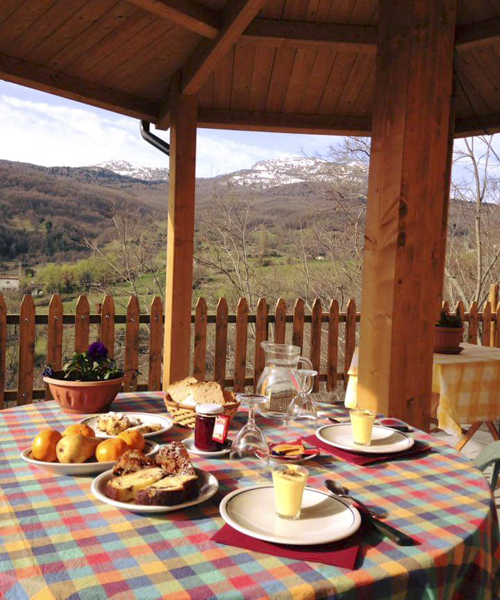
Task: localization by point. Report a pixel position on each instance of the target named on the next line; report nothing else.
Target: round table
(58, 541)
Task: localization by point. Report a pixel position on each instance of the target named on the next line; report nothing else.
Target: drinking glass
(302, 408)
(250, 447)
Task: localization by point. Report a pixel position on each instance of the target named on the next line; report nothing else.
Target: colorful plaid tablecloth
(57, 541)
(467, 384)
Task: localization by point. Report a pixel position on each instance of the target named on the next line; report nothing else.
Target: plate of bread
(182, 397)
(112, 424)
(163, 483)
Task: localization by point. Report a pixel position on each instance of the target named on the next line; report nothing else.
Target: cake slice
(166, 480)
(126, 487)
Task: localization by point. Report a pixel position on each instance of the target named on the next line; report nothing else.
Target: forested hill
(47, 212)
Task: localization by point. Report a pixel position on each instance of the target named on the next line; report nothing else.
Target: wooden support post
(402, 274)
(180, 239)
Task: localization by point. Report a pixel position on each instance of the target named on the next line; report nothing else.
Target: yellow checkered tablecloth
(468, 385)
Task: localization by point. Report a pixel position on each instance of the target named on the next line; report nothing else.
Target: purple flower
(48, 372)
(97, 351)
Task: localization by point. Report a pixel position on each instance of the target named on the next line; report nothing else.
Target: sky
(48, 130)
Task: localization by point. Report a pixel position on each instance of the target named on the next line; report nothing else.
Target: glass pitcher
(279, 381)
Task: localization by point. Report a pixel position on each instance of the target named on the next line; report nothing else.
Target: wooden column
(180, 240)
(407, 196)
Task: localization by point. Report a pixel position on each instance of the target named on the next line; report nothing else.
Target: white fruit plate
(86, 468)
(208, 487)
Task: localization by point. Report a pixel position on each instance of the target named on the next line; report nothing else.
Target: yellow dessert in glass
(289, 482)
(362, 425)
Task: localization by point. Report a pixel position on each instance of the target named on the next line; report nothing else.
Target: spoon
(343, 492)
(398, 537)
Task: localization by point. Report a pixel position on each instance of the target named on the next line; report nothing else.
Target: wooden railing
(226, 346)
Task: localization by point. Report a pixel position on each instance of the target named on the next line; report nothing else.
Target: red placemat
(367, 459)
(337, 554)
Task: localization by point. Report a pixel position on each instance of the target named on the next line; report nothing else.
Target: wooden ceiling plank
(296, 33)
(273, 9)
(473, 82)
(302, 68)
(140, 59)
(282, 70)
(186, 13)
(242, 76)
(319, 76)
(19, 20)
(279, 122)
(206, 94)
(354, 84)
(42, 28)
(7, 8)
(261, 77)
(223, 81)
(477, 34)
(92, 34)
(88, 14)
(106, 54)
(295, 10)
(338, 76)
(53, 82)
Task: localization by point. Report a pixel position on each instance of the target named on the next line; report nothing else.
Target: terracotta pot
(447, 339)
(84, 397)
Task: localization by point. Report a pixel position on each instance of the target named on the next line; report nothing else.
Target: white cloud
(55, 134)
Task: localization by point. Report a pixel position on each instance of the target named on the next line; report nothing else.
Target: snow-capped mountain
(122, 167)
(268, 174)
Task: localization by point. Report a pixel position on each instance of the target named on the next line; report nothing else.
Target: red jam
(204, 427)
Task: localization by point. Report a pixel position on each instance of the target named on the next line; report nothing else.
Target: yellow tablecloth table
(468, 385)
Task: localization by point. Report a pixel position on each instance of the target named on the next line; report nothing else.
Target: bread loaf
(190, 392)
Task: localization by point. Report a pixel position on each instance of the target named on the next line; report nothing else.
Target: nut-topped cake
(165, 480)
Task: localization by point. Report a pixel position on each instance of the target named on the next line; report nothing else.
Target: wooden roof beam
(477, 34)
(234, 19)
(477, 125)
(186, 13)
(54, 82)
(354, 38)
(284, 123)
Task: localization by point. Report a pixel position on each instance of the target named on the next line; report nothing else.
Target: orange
(44, 445)
(134, 439)
(111, 450)
(79, 428)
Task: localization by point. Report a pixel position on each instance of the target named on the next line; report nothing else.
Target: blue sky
(52, 131)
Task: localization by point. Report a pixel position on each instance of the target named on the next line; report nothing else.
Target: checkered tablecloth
(468, 386)
(57, 541)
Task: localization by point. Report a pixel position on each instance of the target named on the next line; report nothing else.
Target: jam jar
(206, 414)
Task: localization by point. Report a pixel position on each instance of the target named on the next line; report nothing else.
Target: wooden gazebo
(412, 74)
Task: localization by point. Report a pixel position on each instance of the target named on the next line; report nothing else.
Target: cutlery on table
(398, 537)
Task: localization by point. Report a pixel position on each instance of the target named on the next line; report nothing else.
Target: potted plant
(449, 332)
(88, 383)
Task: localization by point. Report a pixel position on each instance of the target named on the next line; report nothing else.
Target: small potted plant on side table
(449, 332)
(88, 383)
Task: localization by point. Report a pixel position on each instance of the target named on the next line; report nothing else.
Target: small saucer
(191, 448)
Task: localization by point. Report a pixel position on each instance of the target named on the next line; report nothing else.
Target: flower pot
(84, 397)
(447, 339)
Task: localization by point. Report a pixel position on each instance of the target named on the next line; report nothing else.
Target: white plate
(208, 487)
(323, 518)
(146, 419)
(87, 468)
(384, 439)
(191, 448)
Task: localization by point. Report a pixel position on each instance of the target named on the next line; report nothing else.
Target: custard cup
(362, 426)
(289, 482)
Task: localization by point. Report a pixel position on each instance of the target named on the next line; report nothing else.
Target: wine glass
(250, 447)
(302, 408)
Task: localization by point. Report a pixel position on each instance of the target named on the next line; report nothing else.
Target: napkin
(337, 554)
(367, 459)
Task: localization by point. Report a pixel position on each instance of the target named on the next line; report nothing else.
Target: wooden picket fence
(330, 335)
